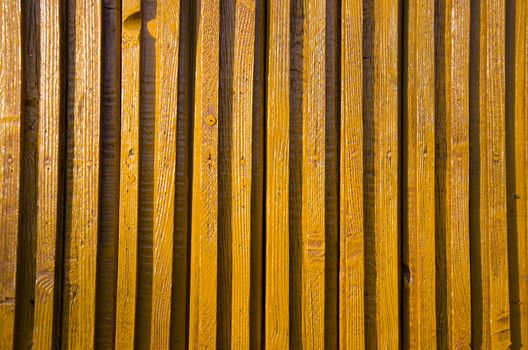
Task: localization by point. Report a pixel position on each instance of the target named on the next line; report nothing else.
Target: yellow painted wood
(166, 32)
(10, 142)
(419, 324)
(351, 273)
(49, 177)
(517, 191)
(313, 175)
(452, 180)
(382, 193)
(204, 239)
(276, 311)
(129, 175)
(491, 316)
(83, 184)
(241, 172)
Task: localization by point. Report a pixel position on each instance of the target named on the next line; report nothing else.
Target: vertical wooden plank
(83, 192)
(180, 285)
(351, 272)
(490, 273)
(257, 183)
(129, 175)
(313, 174)
(382, 193)
(167, 24)
(516, 162)
(452, 168)
(277, 176)
(106, 289)
(10, 141)
(241, 172)
(47, 287)
(205, 182)
(419, 323)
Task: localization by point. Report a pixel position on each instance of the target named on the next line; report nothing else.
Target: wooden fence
(263, 173)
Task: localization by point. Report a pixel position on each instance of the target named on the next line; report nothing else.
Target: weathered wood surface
(263, 174)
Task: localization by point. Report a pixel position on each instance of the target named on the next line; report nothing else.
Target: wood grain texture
(491, 317)
(78, 319)
(48, 248)
(382, 193)
(241, 172)
(452, 180)
(351, 272)
(129, 175)
(419, 324)
(516, 163)
(313, 175)
(204, 240)
(276, 313)
(10, 152)
(106, 289)
(166, 32)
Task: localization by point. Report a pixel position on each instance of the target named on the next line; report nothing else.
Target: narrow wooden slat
(10, 141)
(313, 175)
(419, 323)
(277, 176)
(167, 32)
(516, 156)
(83, 185)
(129, 175)
(241, 172)
(180, 285)
(47, 288)
(106, 289)
(452, 168)
(351, 273)
(204, 238)
(491, 324)
(381, 179)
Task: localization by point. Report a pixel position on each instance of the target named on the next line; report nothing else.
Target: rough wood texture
(129, 175)
(165, 28)
(204, 240)
(516, 163)
(418, 182)
(382, 178)
(351, 272)
(263, 174)
(49, 225)
(452, 169)
(277, 176)
(82, 202)
(313, 175)
(241, 158)
(490, 306)
(10, 142)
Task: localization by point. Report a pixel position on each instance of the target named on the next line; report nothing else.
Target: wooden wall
(263, 174)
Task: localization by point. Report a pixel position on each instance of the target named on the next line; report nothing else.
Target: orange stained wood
(452, 169)
(129, 175)
(383, 194)
(241, 172)
(78, 327)
(518, 256)
(351, 273)
(419, 169)
(276, 313)
(313, 174)
(204, 240)
(166, 29)
(10, 142)
(47, 288)
(491, 316)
